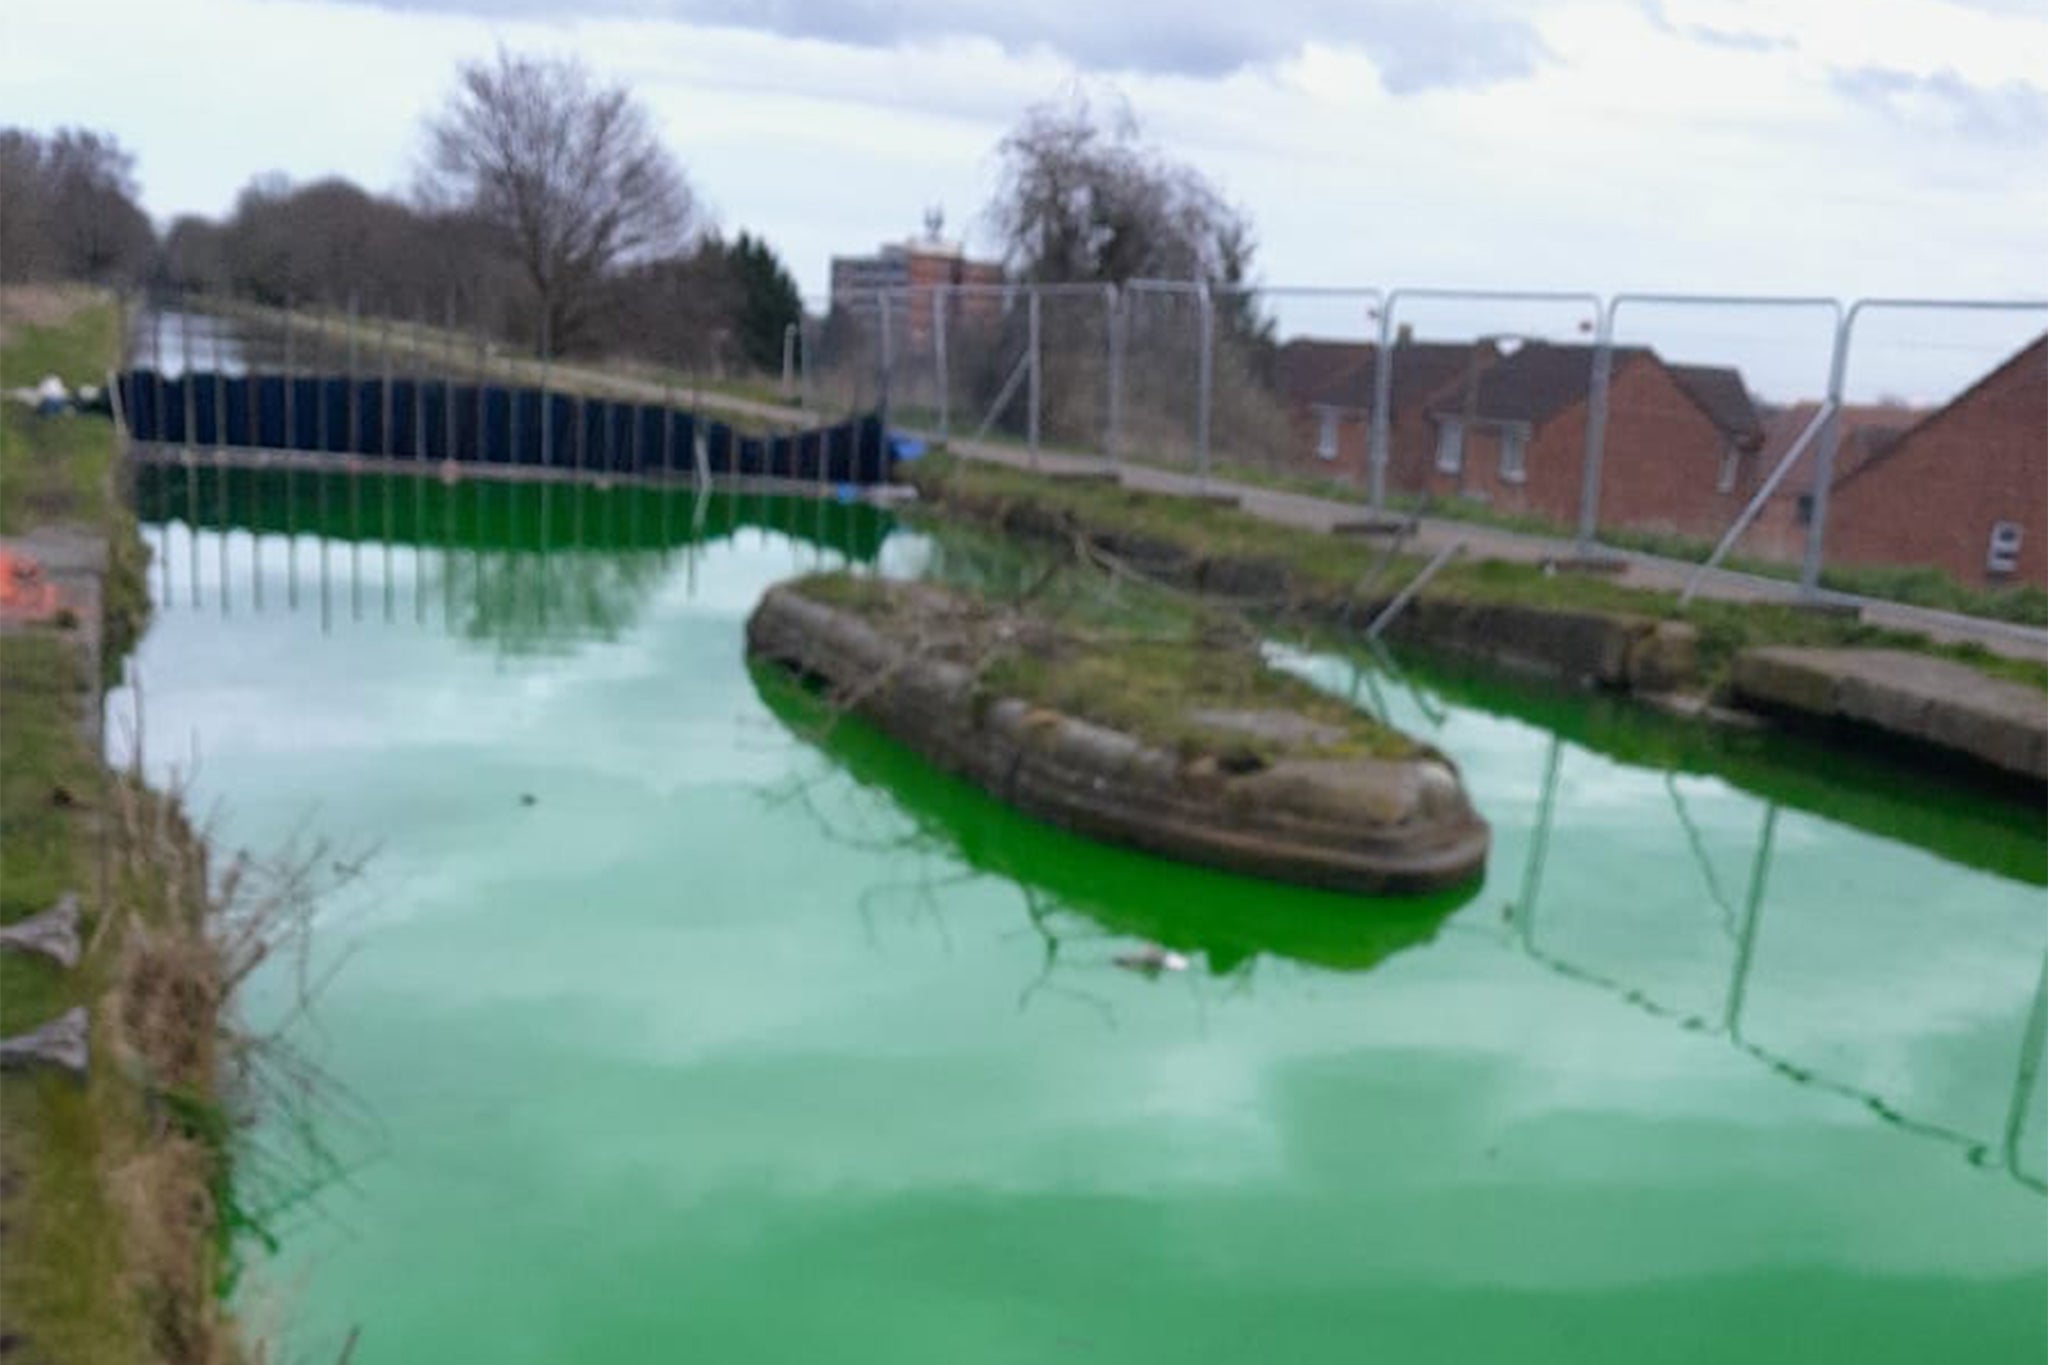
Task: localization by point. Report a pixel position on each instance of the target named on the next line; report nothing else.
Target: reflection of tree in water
(540, 602)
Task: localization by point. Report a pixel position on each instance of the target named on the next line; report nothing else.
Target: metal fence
(1820, 449)
(1795, 440)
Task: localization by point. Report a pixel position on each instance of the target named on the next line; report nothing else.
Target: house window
(2004, 554)
(1450, 446)
(1514, 455)
(1805, 506)
(1326, 433)
(1724, 479)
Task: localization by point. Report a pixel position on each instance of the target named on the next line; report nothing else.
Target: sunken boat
(1187, 745)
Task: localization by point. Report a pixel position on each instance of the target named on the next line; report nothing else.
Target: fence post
(939, 362)
(1382, 397)
(1031, 308)
(482, 372)
(1596, 432)
(448, 337)
(291, 382)
(788, 361)
(1113, 318)
(807, 342)
(384, 412)
(547, 405)
(1205, 381)
(156, 368)
(220, 412)
(185, 372)
(419, 390)
(354, 407)
(888, 354)
(1824, 457)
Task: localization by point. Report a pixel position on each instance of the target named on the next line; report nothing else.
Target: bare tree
(1083, 197)
(1088, 199)
(68, 207)
(571, 170)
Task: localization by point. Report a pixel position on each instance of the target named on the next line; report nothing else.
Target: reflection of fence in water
(1999, 1152)
(519, 563)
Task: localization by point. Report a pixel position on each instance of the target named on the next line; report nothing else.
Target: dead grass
(1046, 649)
(39, 305)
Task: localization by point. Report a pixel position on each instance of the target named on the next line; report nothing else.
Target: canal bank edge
(1547, 623)
(115, 1204)
(1930, 703)
(1299, 813)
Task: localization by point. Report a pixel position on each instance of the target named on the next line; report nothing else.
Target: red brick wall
(1661, 460)
(1411, 445)
(927, 270)
(1932, 500)
(1663, 457)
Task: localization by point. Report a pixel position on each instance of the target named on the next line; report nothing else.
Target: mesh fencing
(1697, 433)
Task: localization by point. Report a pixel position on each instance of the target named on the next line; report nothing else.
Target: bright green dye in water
(733, 1044)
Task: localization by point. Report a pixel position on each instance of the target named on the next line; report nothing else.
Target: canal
(664, 1022)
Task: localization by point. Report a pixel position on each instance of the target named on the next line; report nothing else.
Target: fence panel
(1482, 403)
(855, 337)
(1162, 419)
(1706, 399)
(1293, 385)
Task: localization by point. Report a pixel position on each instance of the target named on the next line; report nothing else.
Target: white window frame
(2002, 552)
(1326, 433)
(1731, 464)
(1515, 441)
(1450, 445)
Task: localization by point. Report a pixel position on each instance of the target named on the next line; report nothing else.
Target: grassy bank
(1912, 586)
(111, 1188)
(1183, 536)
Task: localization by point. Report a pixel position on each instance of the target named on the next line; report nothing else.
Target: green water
(738, 1044)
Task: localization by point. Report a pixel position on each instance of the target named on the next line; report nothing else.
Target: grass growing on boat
(1154, 683)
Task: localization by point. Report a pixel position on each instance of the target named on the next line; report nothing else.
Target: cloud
(1417, 45)
(2014, 113)
(1734, 40)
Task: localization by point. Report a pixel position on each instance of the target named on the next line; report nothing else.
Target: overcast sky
(1837, 147)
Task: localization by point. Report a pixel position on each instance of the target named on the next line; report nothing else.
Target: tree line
(548, 212)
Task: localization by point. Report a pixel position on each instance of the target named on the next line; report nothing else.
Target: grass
(54, 470)
(1324, 565)
(107, 1204)
(45, 768)
(1910, 585)
(62, 1283)
(1149, 685)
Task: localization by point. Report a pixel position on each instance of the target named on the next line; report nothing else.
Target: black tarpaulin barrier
(438, 420)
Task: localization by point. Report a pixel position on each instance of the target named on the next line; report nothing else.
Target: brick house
(1328, 387)
(1964, 489)
(1867, 429)
(1681, 451)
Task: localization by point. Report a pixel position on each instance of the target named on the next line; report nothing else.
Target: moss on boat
(1188, 745)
